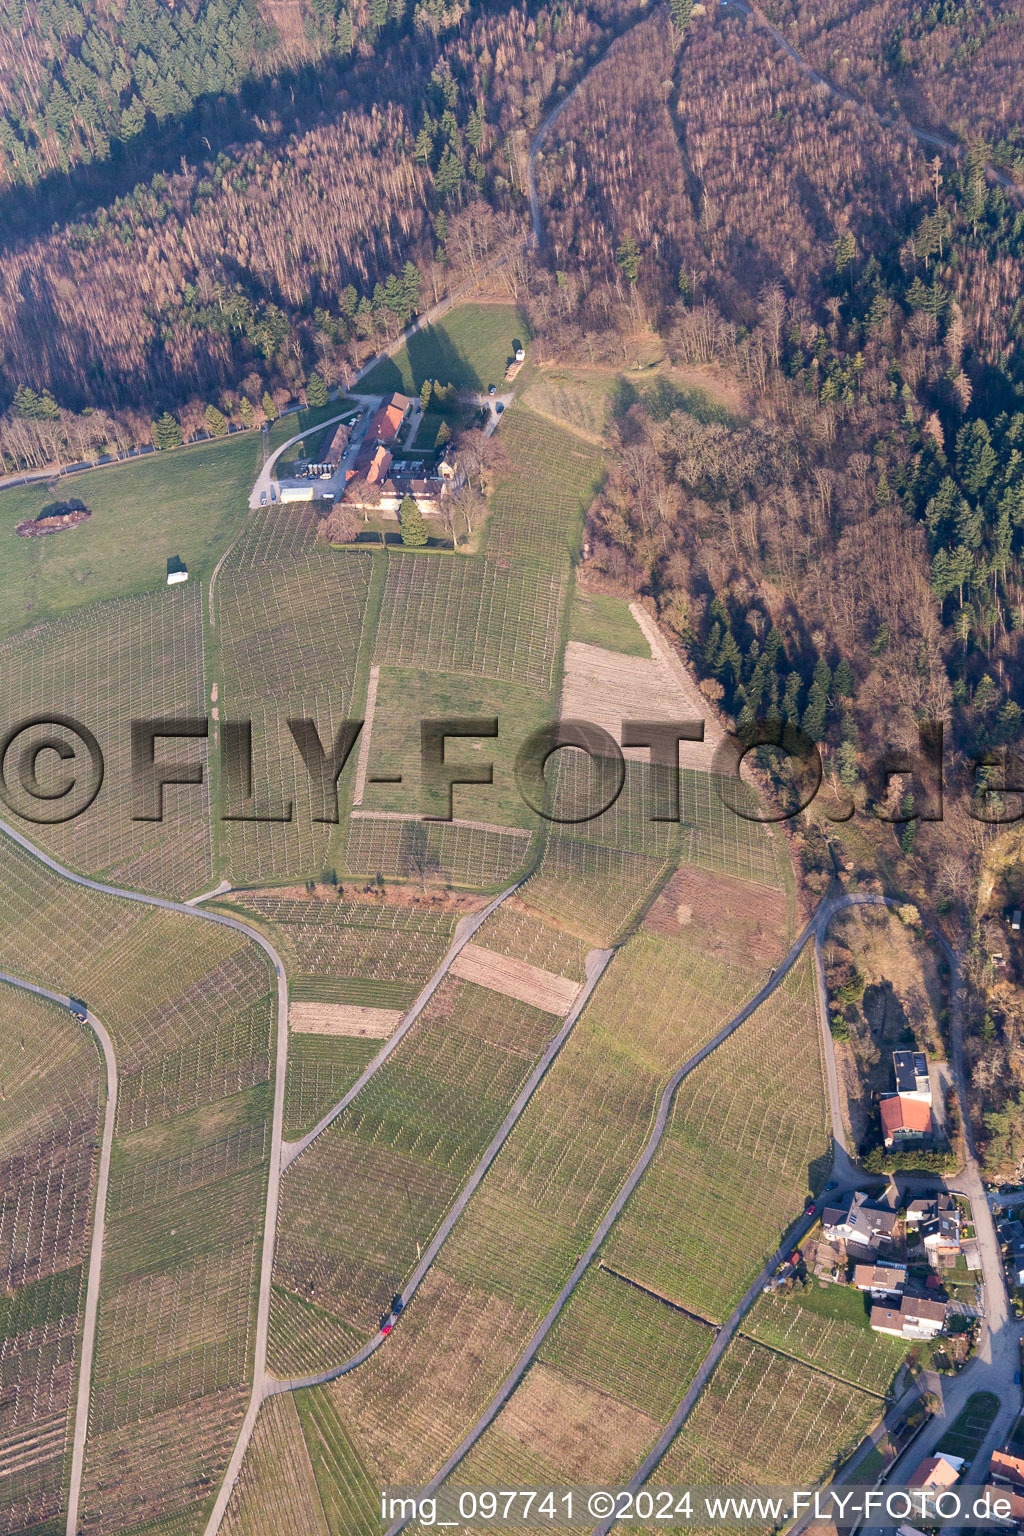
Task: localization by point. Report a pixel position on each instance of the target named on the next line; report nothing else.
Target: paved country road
(92, 1291)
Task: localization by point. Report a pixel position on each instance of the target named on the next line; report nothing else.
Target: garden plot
(370, 1191)
(133, 658)
(515, 978)
(342, 1019)
(747, 1140)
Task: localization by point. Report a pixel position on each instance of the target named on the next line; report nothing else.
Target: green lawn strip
(966, 1434)
(596, 618)
(470, 347)
(187, 502)
(40, 1302)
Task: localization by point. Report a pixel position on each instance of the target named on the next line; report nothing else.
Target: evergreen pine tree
(413, 524)
(316, 391)
(426, 389)
(216, 421)
(843, 680)
(680, 11)
(444, 435)
(269, 408)
(167, 431)
(246, 411)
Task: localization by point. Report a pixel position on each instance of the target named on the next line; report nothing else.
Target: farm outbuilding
(177, 570)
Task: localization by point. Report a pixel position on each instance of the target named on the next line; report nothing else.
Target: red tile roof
(900, 1114)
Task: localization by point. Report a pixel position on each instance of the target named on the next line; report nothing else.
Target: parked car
(79, 1009)
(492, 389)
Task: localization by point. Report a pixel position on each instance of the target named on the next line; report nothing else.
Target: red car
(386, 1329)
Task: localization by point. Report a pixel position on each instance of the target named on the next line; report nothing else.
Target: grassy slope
(470, 347)
(189, 502)
(599, 619)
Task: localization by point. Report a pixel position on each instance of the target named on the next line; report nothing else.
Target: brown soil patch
(343, 1019)
(574, 1427)
(738, 921)
(371, 895)
(607, 688)
(515, 978)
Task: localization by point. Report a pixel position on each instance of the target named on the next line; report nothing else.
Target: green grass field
(596, 618)
(471, 347)
(188, 502)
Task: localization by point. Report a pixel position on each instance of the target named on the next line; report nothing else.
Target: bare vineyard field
(430, 851)
(747, 1140)
(135, 657)
(609, 1374)
(327, 941)
(320, 1072)
(514, 930)
(378, 1181)
(595, 891)
(842, 1345)
(276, 1491)
(188, 1006)
(737, 921)
(515, 978)
(730, 1438)
(550, 1185)
(290, 614)
(499, 616)
(49, 1128)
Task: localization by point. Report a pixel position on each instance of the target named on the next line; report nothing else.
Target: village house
(929, 1208)
(936, 1472)
(858, 1222)
(388, 420)
(1007, 1469)
(880, 1279)
(941, 1236)
(904, 1118)
(916, 1317)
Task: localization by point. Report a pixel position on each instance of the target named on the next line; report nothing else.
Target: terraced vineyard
(371, 1190)
(748, 1138)
(828, 1329)
(730, 1439)
(132, 658)
(290, 615)
(481, 857)
(550, 1185)
(49, 1128)
(594, 1401)
(188, 1006)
